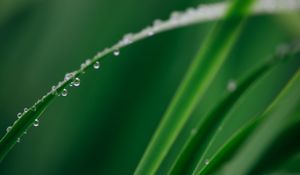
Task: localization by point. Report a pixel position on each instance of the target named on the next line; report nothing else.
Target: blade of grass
(233, 144)
(196, 81)
(283, 53)
(278, 120)
(228, 149)
(216, 12)
(205, 130)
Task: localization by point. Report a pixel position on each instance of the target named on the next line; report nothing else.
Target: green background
(103, 126)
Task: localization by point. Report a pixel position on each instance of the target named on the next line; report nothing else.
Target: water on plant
(64, 92)
(96, 65)
(193, 131)
(8, 129)
(116, 53)
(127, 39)
(76, 82)
(206, 161)
(36, 123)
(231, 85)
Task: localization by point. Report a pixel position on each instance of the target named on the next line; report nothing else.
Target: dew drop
(25, 132)
(8, 129)
(19, 115)
(87, 62)
(231, 85)
(116, 52)
(150, 32)
(174, 15)
(34, 108)
(96, 65)
(193, 131)
(18, 140)
(206, 161)
(68, 76)
(53, 90)
(76, 82)
(191, 11)
(127, 39)
(64, 92)
(25, 109)
(82, 66)
(157, 23)
(36, 123)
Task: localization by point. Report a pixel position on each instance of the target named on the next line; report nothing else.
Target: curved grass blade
(216, 10)
(201, 73)
(227, 150)
(283, 54)
(21, 125)
(233, 144)
(279, 121)
(204, 130)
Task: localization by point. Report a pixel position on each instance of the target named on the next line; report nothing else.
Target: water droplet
(150, 32)
(18, 140)
(34, 108)
(82, 66)
(19, 115)
(193, 131)
(174, 15)
(87, 62)
(53, 90)
(68, 76)
(96, 65)
(8, 129)
(127, 39)
(206, 161)
(76, 82)
(116, 52)
(25, 132)
(25, 109)
(157, 23)
(64, 92)
(191, 11)
(231, 85)
(36, 123)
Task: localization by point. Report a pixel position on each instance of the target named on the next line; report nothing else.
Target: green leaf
(280, 121)
(205, 130)
(216, 120)
(21, 125)
(203, 70)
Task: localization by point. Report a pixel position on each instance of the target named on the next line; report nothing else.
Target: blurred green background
(103, 126)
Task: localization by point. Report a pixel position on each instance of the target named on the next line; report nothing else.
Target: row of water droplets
(202, 13)
(177, 19)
